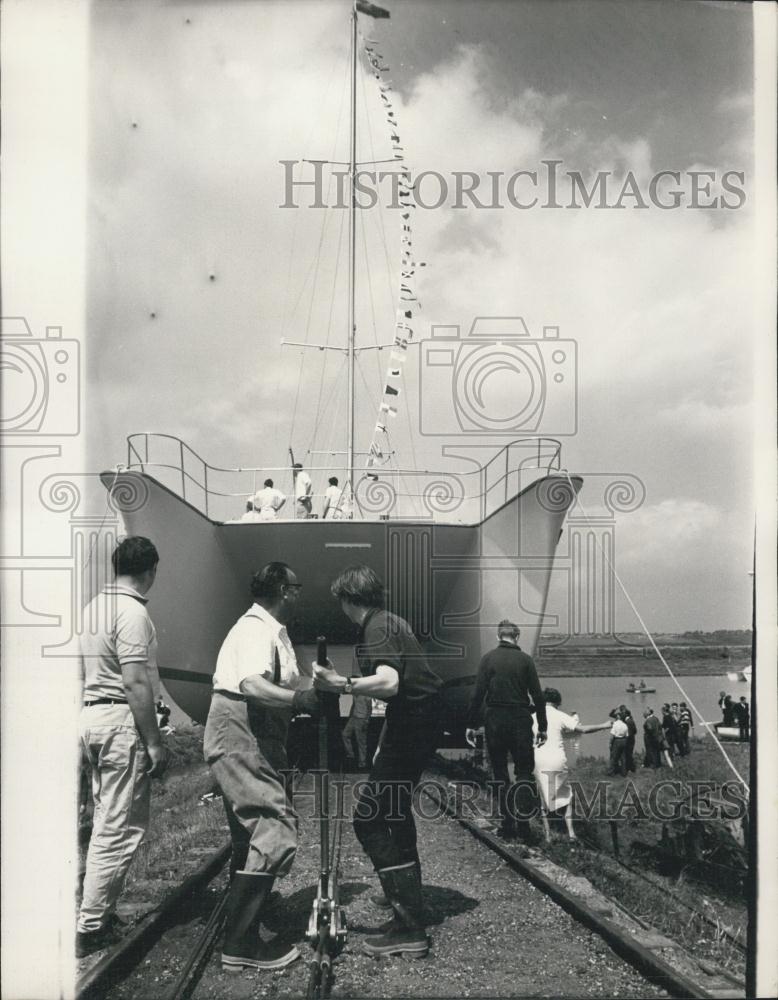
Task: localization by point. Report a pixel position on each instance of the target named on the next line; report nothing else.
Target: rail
(222, 493)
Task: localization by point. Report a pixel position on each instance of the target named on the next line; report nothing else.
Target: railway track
(113, 975)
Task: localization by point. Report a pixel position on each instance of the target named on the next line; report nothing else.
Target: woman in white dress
(551, 769)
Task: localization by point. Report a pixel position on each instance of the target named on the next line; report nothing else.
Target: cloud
(659, 302)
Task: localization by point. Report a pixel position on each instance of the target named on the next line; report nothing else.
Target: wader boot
(380, 899)
(244, 947)
(406, 934)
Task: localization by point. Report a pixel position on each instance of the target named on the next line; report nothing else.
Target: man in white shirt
(303, 492)
(618, 747)
(268, 501)
(254, 696)
(332, 499)
(119, 732)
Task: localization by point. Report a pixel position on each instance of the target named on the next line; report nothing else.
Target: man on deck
(507, 679)
(303, 492)
(268, 501)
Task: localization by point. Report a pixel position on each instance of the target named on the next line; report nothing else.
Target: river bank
(585, 663)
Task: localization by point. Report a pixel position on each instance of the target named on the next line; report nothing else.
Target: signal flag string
(407, 301)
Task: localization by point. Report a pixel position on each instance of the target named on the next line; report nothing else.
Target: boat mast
(352, 253)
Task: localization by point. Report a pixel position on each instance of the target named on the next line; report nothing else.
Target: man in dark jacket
(653, 739)
(632, 730)
(507, 679)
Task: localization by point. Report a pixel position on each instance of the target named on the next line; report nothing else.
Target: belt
(105, 701)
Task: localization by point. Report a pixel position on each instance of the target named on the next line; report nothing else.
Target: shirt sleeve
(255, 651)
(533, 686)
(134, 633)
(569, 723)
(380, 647)
(481, 687)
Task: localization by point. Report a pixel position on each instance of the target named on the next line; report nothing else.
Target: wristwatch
(349, 686)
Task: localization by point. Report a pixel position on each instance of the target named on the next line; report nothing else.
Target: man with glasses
(254, 697)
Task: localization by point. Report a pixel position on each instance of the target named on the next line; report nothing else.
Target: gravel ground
(493, 934)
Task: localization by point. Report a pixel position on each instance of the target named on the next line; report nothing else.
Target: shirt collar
(257, 611)
(120, 588)
(511, 645)
(372, 612)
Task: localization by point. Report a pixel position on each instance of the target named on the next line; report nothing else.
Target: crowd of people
(266, 504)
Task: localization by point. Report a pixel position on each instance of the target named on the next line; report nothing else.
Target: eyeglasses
(296, 586)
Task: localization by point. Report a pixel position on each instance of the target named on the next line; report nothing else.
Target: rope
(650, 638)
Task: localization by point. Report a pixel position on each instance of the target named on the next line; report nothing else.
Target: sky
(195, 272)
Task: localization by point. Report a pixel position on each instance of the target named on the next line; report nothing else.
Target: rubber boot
(244, 948)
(407, 934)
(380, 899)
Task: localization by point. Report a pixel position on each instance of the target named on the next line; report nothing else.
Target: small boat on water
(640, 689)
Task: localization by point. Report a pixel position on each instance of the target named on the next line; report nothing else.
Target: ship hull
(452, 582)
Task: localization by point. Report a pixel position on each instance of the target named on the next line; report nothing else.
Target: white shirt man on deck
(268, 502)
(303, 492)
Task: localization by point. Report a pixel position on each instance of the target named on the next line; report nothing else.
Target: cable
(650, 638)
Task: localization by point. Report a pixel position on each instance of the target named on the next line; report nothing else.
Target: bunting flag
(407, 301)
(371, 9)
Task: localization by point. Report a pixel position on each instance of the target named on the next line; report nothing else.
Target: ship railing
(456, 495)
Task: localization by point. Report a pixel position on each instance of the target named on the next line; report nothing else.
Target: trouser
(508, 730)
(356, 730)
(246, 751)
(383, 814)
(629, 753)
(121, 791)
(744, 730)
(303, 508)
(683, 740)
(618, 761)
(652, 756)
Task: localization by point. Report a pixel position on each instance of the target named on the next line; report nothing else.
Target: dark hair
(133, 556)
(333, 480)
(359, 585)
(297, 465)
(249, 505)
(268, 482)
(552, 697)
(267, 582)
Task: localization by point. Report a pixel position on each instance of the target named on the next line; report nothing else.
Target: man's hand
(470, 736)
(540, 739)
(327, 679)
(306, 703)
(158, 756)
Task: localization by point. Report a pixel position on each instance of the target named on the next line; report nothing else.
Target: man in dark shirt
(632, 729)
(507, 679)
(394, 669)
(743, 719)
(653, 739)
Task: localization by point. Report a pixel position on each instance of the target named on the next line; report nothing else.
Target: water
(594, 697)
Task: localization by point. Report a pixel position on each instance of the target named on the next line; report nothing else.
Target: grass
(181, 829)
